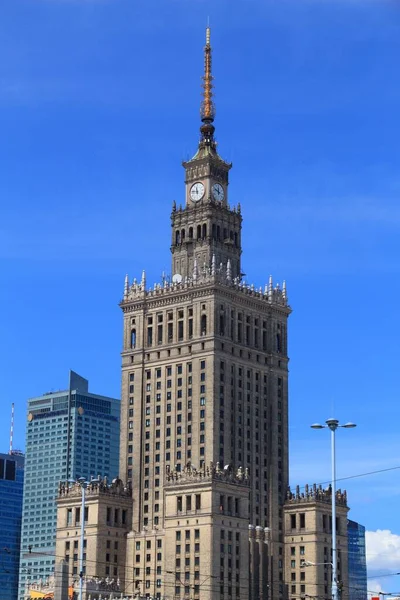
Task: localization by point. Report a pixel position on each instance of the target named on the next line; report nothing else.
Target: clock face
(218, 192)
(197, 191)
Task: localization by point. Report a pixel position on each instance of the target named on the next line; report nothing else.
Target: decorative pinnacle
(207, 109)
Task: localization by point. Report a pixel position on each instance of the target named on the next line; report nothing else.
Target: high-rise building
(71, 433)
(204, 431)
(308, 543)
(357, 561)
(11, 489)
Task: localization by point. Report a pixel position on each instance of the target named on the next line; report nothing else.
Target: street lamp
(81, 481)
(333, 424)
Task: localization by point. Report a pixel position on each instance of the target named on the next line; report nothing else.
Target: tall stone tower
(204, 421)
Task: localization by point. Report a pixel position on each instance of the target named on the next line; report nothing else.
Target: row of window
(218, 234)
(241, 371)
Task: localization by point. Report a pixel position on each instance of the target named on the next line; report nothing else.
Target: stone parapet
(95, 488)
(315, 493)
(137, 290)
(213, 472)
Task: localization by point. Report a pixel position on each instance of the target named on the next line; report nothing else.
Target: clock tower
(204, 408)
(206, 232)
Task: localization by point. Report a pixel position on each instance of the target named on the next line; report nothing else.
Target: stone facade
(108, 518)
(205, 386)
(308, 543)
(204, 428)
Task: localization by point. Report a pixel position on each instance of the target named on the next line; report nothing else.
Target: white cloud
(383, 551)
(374, 588)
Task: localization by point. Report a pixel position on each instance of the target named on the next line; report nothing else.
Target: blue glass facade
(69, 434)
(357, 561)
(11, 490)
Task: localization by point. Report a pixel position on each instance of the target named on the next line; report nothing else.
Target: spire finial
(207, 108)
(229, 270)
(195, 270)
(213, 265)
(126, 287)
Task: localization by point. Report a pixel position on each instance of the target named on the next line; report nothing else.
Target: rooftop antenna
(11, 429)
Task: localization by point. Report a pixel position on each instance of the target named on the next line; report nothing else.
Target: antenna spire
(207, 108)
(11, 429)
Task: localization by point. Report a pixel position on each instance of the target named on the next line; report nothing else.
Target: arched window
(191, 232)
(278, 343)
(214, 231)
(218, 232)
(236, 240)
(199, 232)
(203, 325)
(204, 231)
(133, 338)
(177, 238)
(183, 235)
(231, 235)
(225, 234)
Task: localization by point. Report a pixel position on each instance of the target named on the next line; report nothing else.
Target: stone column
(61, 581)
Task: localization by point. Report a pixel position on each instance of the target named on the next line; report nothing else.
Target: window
(302, 520)
(293, 521)
(203, 325)
(133, 338)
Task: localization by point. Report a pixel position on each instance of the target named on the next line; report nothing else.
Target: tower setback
(204, 413)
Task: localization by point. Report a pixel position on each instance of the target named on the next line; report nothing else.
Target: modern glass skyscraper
(357, 561)
(11, 489)
(71, 433)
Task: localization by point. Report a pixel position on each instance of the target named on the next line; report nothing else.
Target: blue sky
(99, 103)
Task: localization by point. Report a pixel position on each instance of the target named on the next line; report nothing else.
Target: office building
(70, 433)
(11, 490)
(204, 432)
(357, 561)
(308, 543)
